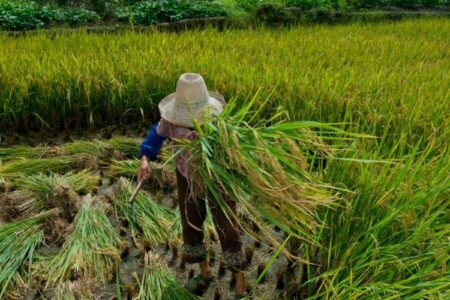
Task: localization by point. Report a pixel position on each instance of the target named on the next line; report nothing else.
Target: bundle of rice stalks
(149, 217)
(91, 251)
(41, 184)
(263, 168)
(16, 168)
(93, 147)
(41, 192)
(158, 284)
(18, 243)
(126, 145)
(161, 177)
(18, 152)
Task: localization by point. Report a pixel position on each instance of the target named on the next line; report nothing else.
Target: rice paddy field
(68, 232)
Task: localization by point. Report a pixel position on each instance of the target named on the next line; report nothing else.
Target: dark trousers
(193, 214)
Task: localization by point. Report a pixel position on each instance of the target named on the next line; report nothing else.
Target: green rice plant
(149, 217)
(158, 284)
(263, 168)
(126, 145)
(18, 243)
(91, 251)
(161, 176)
(390, 239)
(371, 74)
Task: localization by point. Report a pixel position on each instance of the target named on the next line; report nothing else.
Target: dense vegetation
(31, 14)
(387, 235)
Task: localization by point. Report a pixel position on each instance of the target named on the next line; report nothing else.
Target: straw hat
(192, 100)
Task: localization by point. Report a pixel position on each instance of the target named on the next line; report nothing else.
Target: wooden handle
(136, 191)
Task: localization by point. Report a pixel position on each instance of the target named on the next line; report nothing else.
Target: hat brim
(183, 115)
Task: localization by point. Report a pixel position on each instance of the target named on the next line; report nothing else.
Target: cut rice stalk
(19, 152)
(161, 176)
(41, 184)
(93, 147)
(91, 251)
(18, 243)
(54, 190)
(126, 145)
(16, 168)
(149, 217)
(158, 284)
(263, 168)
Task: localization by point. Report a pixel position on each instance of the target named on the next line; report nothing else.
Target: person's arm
(150, 148)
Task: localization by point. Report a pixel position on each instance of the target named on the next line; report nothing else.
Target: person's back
(192, 101)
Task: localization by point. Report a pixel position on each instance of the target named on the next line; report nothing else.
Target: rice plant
(18, 244)
(158, 284)
(161, 176)
(149, 217)
(91, 251)
(263, 168)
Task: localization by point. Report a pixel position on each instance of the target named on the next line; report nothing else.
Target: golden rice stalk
(263, 167)
(158, 284)
(149, 217)
(18, 243)
(92, 250)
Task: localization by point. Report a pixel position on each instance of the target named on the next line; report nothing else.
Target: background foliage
(32, 14)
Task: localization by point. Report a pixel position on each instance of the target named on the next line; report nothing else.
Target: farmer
(192, 100)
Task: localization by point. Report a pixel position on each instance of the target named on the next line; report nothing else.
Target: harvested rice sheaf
(126, 145)
(150, 218)
(37, 193)
(91, 251)
(263, 168)
(18, 243)
(158, 284)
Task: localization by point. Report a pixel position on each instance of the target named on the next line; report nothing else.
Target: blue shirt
(152, 144)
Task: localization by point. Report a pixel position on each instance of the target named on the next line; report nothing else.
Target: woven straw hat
(192, 100)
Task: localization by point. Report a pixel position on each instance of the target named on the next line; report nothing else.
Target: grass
(149, 217)
(158, 284)
(91, 251)
(18, 243)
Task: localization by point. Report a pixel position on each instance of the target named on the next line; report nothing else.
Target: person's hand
(144, 171)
